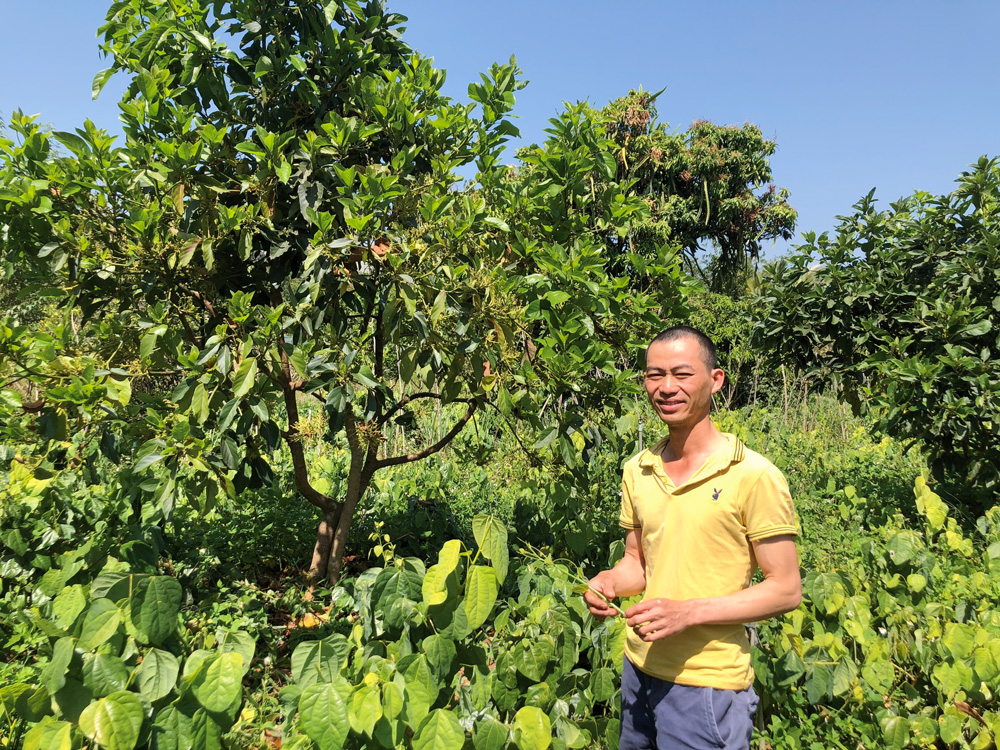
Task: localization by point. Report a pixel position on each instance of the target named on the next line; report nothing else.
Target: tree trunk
(357, 483)
(324, 543)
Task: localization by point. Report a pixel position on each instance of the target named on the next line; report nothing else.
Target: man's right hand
(604, 584)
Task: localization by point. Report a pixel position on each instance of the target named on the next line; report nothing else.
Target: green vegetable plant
(900, 645)
(121, 672)
(438, 658)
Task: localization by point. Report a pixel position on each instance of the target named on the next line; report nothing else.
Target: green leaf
(319, 661)
(421, 691)
(218, 683)
(104, 674)
(72, 699)
(490, 734)
(100, 79)
(602, 684)
(491, 536)
(481, 594)
(323, 716)
(153, 608)
(365, 709)
(53, 676)
(113, 722)
(68, 605)
(239, 642)
(532, 729)
(99, 623)
(157, 675)
(531, 656)
(440, 730)
(819, 683)
(72, 141)
(245, 377)
(895, 732)
(49, 734)
(172, 730)
(440, 652)
(206, 734)
(844, 675)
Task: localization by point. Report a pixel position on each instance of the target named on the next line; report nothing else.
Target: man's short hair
(708, 353)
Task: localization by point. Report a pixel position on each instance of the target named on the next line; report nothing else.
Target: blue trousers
(661, 715)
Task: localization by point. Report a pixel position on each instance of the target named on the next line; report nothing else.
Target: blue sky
(898, 96)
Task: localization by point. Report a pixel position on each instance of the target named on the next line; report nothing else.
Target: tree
(708, 190)
(283, 220)
(897, 313)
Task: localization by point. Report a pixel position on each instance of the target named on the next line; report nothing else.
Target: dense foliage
(897, 311)
(275, 291)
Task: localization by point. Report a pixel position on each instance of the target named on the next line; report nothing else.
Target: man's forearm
(769, 598)
(628, 576)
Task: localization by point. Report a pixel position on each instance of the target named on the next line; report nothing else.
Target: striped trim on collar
(651, 456)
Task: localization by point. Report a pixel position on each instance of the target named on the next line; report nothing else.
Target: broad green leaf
(959, 640)
(323, 716)
(950, 729)
(491, 536)
(319, 661)
(532, 729)
(421, 691)
(396, 583)
(440, 730)
(789, 668)
(68, 605)
(153, 607)
(895, 732)
(602, 684)
(172, 730)
(72, 699)
(490, 734)
(206, 734)
(531, 656)
(819, 683)
(245, 377)
(440, 652)
(449, 556)
(33, 705)
(238, 641)
(365, 709)
(433, 589)
(104, 674)
(100, 622)
(53, 676)
(481, 594)
(218, 682)
(844, 675)
(157, 674)
(113, 722)
(49, 735)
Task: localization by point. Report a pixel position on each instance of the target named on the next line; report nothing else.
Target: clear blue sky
(898, 96)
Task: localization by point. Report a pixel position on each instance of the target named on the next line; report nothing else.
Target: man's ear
(718, 379)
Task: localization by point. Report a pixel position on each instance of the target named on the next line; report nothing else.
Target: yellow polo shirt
(696, 541)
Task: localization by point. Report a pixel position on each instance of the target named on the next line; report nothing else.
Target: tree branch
(431, 450)
(294, 440)
(403, 402)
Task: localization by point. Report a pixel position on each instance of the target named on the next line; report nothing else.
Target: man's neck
(697, 440)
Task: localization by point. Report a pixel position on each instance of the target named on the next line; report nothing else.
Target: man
(702, 512)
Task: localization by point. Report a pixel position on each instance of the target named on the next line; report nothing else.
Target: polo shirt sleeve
(628, 519)
(768, 511)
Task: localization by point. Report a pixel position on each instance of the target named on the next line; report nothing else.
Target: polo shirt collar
(651, 458)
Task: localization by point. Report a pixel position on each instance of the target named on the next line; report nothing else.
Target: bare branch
(403, 402)
(431, 450)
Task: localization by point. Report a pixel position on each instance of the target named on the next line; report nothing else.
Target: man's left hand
(654, 619)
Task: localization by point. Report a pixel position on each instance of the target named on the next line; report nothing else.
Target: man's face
(679, 383)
